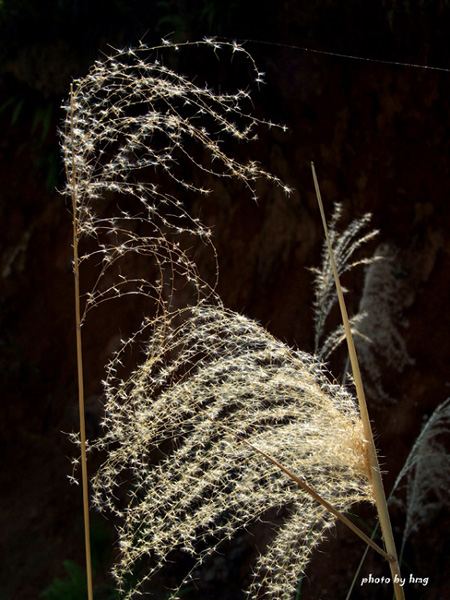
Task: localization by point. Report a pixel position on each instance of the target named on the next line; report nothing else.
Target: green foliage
(38, 119)
(74, 587)
(42, 114)
(212, 16)
(71, 588)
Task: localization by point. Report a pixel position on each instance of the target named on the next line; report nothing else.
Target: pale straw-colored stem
(76, 271)
(374, 467)
(330, 508)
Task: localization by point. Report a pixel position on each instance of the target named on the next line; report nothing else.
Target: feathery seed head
(207, 387)
(184, 429)
(130, 119)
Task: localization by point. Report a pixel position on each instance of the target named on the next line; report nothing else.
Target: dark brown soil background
(379, 135)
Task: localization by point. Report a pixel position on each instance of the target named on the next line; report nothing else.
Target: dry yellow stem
(80, 378)
(374, 467)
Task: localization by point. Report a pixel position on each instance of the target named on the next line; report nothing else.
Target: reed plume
(220, 422)
(344, 243)
(209, 391)
(426, 472)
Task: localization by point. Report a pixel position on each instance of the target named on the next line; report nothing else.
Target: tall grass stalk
(76, 272)
(374, 467)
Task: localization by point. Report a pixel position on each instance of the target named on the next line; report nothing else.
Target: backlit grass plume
(380, 340)
(426, 473)
(220, 422)
(183, 428)
(344, 244)
(130, 124)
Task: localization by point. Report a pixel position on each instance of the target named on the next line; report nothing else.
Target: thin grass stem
(84, 474)
(330, 508)
(374, 467)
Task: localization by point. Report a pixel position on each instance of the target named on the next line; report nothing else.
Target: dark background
(379, 135)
